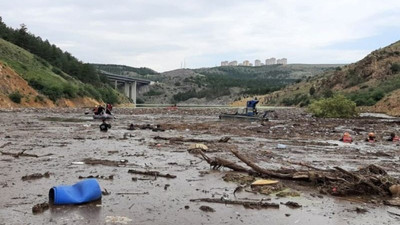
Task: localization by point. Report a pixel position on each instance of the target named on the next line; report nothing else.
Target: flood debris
(105, 192)
(198, 146)
(245, 203)
(110, 177)
(132, 193)
(17, 155)
(395, 190)
(291, 204)
(217, 163)
(361, 210)
(40, 208)
(181, 139)
(35, 176)
(370, 180)
(151, 173)
(205, 208)
(392, 202)
(105, 162)
(118, 219)
(5, 144)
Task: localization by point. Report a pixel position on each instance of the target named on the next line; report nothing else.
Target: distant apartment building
(257, 62)
(282, 61)
(246, 63)
(270, 61)
(224, 63)
(233, 63)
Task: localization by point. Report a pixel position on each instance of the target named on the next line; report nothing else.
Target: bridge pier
(130, 90)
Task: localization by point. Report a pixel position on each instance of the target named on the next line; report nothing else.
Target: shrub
(395, 68)
(337, 106)
(15, 97)
(312, 90)
(39, 98)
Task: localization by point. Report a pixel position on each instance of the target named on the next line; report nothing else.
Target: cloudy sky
(162, 34)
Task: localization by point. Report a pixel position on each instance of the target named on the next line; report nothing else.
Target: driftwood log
(152, 173)
(181, 139)
(248, 204)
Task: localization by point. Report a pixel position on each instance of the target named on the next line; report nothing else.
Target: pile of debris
(371, 180)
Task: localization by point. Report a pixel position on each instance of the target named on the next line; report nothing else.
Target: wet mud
(69, 146)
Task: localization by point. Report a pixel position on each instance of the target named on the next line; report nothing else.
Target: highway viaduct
(128, 85)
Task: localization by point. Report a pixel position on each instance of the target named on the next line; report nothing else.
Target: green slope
(43, 77)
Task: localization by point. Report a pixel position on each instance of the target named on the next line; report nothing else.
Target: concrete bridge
(128, 85)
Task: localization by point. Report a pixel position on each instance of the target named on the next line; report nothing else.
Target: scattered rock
(35, 176)
(361, 210)
(291, 204)
(39, 208)
(205, 208)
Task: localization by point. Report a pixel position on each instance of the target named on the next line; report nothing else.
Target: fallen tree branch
(260, 170)
(152, 173)
(250, 204)
(16, 155)
(216, 163)
(181, 139)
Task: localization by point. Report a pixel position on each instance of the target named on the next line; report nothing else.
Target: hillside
(37, 83)
(52, 72)
(373, 81)
(217, 85)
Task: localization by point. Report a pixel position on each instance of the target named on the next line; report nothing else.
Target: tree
(312, 90)
(337, 106)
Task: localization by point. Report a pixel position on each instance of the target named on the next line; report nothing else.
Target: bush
(39, 98)
(15, 97)
(337, 106)
(395, 68)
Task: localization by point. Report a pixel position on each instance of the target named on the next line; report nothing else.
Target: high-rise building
(233, 63)
(282, 61)
(246, 63)
(257, 62)
(224, 63)
(270, 61)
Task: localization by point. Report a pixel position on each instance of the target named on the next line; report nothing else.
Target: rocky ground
(43, 148)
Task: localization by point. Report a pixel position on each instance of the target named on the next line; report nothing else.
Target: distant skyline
(163, 35)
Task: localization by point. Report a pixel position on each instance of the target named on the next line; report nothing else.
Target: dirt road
(68, 145)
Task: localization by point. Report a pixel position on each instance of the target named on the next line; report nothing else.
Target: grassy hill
(49, 81)
(372, 81)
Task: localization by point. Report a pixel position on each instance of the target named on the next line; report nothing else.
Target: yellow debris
(264, 182)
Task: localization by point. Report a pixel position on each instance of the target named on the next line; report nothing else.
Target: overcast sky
(162, 34)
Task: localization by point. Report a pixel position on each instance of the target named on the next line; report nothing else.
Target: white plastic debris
(281, 146)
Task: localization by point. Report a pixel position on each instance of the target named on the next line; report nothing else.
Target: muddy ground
(45, 148)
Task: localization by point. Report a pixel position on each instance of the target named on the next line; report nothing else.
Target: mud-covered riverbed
(57, 143)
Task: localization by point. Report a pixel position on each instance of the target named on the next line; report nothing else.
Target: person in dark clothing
(105, 126)
(100, 110)
(393, 138)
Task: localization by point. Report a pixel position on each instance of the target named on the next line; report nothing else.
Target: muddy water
(63, 143)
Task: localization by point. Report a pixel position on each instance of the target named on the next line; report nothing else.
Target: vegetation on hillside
(124, 70)
(365, 82)
(50, 70)
(337, 106)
